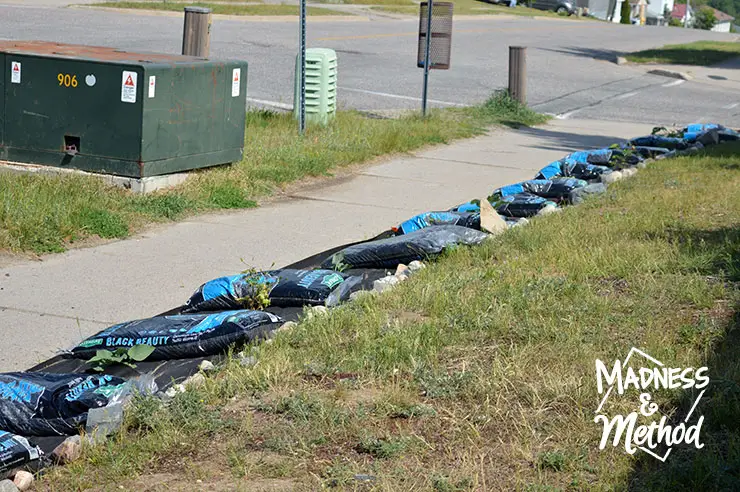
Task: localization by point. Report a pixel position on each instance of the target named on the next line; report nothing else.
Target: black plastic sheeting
(168, 372)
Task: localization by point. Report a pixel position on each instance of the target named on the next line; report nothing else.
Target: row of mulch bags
(218, 315)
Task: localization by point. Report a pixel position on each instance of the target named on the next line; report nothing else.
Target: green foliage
(48, 213)
(221, 8)
(127, 357)
(626, 13)
(382, 448)
(696, 53)
(704, 19)
(101, 222)
(258, 293)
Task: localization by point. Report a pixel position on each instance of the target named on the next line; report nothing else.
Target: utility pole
(302, 76)
(427, 48)
(686, 17)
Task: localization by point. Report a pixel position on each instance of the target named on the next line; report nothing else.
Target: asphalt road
(568, 74)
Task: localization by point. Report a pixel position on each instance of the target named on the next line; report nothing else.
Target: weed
(552, 460)
(382, 448)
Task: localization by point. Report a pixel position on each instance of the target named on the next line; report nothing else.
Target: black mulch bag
(650, 152)
(286, 287)
(182, 336)
(417, 245)
(15, 453)
(521, 205)
(45, 404)
(421, 221)
(569, 168)
(670, 143)
(555, 188)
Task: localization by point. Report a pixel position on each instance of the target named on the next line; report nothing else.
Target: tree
(625, 13)
(704, 19)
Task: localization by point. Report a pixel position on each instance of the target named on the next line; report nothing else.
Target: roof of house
(721, 16)
(679, 11)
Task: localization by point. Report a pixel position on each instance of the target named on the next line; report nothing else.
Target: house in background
(724, 21)
(679, 12)
(656, 11)
(603, 9)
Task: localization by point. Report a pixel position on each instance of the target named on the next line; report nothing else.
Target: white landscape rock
(7, 486)
(68, 451)
(206, 366)
(611, 177)
(385, 283)
(195, 381)
(402, 271)
(416, 265)
(287, 326)
(549, 209)
(317, 311)
(23, 480)
(629, 172)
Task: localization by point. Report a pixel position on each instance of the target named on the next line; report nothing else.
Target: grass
(51, 213)
(697, 53)
(219, 8)
(478, 372)
(462, 7)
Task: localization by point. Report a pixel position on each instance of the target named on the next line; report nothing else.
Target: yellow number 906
(67, 80)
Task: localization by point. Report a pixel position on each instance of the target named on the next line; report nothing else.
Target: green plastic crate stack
(321, 85)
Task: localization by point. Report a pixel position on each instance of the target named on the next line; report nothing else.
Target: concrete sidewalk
(54, 303)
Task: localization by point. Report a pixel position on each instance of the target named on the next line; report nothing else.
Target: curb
(670, 73)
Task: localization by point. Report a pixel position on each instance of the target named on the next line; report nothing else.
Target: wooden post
(196, 32)
(518, 73)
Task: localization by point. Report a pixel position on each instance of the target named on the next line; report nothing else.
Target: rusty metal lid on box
(91, 53)
(119, 112)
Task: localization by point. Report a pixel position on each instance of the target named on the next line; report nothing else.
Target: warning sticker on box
(236, 82)
(15, 72)
(128, 87)
(152, 85)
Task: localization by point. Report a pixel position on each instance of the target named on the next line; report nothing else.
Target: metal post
(302, 84)
(428, 42)
(686, 17)
(518, 73)
(196, 32)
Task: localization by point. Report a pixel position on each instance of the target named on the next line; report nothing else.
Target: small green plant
(552, 460)
(338, 264)
(258, 291)
(381, 448)
(127, 357)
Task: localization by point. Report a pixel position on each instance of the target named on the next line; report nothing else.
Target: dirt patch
(223, 483)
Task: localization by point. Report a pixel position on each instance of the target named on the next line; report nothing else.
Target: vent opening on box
(71, 145)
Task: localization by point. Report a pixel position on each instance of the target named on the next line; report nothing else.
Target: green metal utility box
(117, 112)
